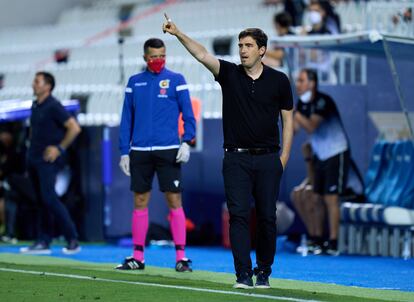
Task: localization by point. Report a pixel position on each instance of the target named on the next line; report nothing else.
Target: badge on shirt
(164, 84)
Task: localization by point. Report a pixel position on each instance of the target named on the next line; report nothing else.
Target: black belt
(252, 151)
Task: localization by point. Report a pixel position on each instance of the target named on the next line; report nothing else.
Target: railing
(334, 68)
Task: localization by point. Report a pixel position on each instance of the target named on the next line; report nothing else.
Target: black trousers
(43, 176)
(247, 175)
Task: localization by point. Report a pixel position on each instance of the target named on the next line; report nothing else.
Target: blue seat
(362, 213)
(406, 197)
(402, 194)
(375, 167)
(395, 176)
(378, 171)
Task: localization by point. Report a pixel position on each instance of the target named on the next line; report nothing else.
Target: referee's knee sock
(139, 232)
(177, 224)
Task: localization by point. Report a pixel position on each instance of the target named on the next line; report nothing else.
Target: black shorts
(143, 165)
(331, 175)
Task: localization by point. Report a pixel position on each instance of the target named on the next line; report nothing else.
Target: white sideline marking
(156, 285)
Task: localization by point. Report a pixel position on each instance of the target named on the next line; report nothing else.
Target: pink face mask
(156, 65)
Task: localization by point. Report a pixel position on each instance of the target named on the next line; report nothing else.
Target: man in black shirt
(52, 130)
(253, 97)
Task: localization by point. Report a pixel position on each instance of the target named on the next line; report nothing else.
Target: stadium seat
(395, 176)
(403, 194)
(376, 170)
(372, 229)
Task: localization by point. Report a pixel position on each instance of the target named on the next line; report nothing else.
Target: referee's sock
(177, 224)
(139, 232)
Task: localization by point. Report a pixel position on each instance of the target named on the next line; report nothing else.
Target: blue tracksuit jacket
(150, 112)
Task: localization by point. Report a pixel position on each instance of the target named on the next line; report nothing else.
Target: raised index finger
(167, 18)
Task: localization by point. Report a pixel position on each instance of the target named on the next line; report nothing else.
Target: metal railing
(334, 68)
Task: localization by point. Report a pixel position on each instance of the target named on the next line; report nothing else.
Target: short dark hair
(316, 2)
(153, 43)
(48, 78)
(257, 34)
(284, 19)
(312, 75)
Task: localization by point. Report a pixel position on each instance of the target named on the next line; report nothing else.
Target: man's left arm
(184, 103)
(287, 135)
(286, 110)
(72, 131)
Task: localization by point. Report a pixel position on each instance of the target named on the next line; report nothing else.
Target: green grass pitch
(34, 278)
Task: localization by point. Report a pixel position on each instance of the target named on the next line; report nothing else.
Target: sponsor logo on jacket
(164, 85)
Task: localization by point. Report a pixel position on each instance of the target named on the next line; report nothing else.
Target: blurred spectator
(322, 18)
(408, 15)
(405, 16)
(294, 8)
(282, 23)
(318, 115)
(274, 57)
(332, 19)
(19, 199)
(1, 81)
(309, 205)
(11, 162)
(52, 131)
(62, 56)
(21, 204)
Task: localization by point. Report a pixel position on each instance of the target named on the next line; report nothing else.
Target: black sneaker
(131, 263)
(315, 249)
(312, 247)
(262, 279)
(37, 248)
(331, 248)
(183, 266)
(243, 281)
(72, 248)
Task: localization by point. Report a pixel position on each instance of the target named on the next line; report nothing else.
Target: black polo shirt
(251, 107)
(47, 125)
